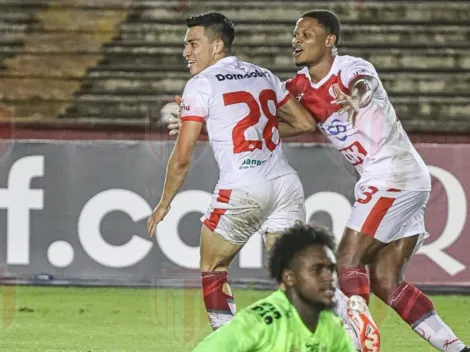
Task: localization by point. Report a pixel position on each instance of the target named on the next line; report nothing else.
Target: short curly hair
(293, 241)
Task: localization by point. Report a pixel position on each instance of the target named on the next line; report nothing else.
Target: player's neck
(320, 69)
(219, 57)
(308, 313)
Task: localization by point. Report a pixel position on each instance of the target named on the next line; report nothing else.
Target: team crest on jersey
(338, 130)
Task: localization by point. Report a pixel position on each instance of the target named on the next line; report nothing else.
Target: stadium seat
(116, 62)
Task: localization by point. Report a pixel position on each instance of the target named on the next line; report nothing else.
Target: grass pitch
(53, 319)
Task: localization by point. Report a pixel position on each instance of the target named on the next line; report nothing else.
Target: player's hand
(158, 215)
(172, 116)
(350, 103)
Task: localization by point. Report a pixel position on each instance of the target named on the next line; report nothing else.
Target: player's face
(198, 50)
(315, 275)
(309, 42)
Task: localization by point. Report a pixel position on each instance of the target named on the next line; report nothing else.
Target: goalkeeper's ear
(288, 278)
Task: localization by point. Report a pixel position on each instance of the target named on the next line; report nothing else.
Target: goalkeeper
(299, 317)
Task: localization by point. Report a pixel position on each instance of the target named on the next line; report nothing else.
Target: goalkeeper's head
(303, 261)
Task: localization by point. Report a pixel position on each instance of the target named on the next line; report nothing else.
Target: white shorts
(389, 214)
(271, 206)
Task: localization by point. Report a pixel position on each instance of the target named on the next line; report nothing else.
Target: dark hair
(294, 240)
(217, 24)
(328, 20)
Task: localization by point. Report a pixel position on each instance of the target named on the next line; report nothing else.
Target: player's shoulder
(255, 70)
(200, 83)
(301, 80)
(270, 309)
(347, 60)
(301, 74)
(353, 66)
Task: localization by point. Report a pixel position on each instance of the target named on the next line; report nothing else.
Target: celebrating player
(298, 318)
(386, 225)
(258, 191)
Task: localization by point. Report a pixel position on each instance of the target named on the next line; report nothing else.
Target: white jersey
(377, 146)
(239, 101)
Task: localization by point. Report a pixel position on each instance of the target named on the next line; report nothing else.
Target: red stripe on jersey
(193, 118)
(393, 190)
(376, 216)
(283, 101)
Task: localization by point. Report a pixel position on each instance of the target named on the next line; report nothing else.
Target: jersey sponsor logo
(267, 311)
(336, 128)
(250, 163)
(237, 76)
(354, 153)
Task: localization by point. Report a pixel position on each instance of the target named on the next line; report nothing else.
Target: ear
(330, 40)
(219, 46)
(288, 278)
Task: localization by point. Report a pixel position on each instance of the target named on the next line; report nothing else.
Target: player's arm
(243, 333)
(361, 79)
(177, 169)
(174, 121)
(294, 119)
(180, 159)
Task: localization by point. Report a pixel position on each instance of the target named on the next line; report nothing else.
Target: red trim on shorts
(393, 190)
(213, 220)
(376, 216)
(224, 195)
(283, 101)
(193, 118)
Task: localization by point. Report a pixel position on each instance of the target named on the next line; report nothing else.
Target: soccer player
(258, 191)
(298, 317)
(386, 225)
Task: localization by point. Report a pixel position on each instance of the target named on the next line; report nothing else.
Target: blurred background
(83, 152)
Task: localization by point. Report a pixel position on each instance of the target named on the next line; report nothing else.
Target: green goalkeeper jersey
(273, 325)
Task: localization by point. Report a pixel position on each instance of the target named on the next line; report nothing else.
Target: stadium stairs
(115, 63)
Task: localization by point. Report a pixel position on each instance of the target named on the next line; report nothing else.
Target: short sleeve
(282, 94)
(357, 68)
(196, 99)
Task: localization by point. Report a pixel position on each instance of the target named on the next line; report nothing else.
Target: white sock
(341, 310)
(431, 328)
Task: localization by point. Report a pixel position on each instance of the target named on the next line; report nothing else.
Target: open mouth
(297, 51)
(190, 63)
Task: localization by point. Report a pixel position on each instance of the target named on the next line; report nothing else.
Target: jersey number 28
(240, 143)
